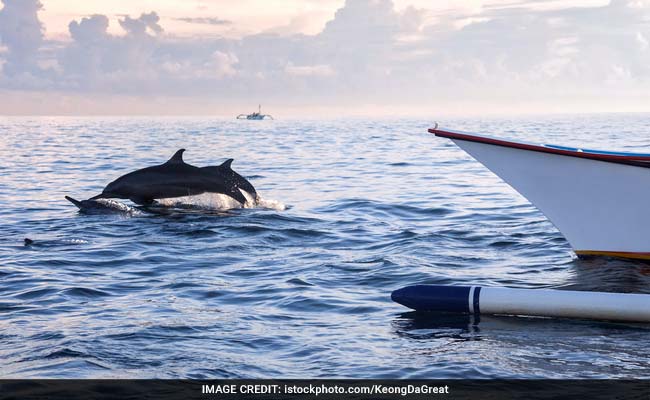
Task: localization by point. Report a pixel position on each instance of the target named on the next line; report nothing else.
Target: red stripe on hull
(639, 161)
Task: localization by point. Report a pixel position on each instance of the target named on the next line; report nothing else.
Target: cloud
(22, 34)
(89, 29)
(204, 20)
(145, 24)
(571, 46)
(368, 53)
(309, 70)
(224, 64)
(98, 61)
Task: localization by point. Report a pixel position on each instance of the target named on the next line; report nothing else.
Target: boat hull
(599, 205)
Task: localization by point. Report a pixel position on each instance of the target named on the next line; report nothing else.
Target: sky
(323, 58)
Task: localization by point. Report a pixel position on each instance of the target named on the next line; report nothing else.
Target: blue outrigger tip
(436, 298)
(527, 302)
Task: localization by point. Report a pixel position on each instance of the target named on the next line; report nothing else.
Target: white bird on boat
(597, 199)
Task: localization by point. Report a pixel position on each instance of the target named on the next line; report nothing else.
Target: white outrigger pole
(526, 302)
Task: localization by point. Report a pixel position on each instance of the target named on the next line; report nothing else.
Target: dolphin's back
(230, 177)
(162, 181)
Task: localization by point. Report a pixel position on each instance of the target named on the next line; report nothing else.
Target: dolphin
(175, 178)
(101, 206)
(232, 178)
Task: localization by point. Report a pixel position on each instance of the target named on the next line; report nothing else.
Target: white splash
(77, 241)
(119, 206)
(218, 201)
(270, 204)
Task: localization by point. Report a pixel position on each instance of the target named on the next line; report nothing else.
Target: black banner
(326, 389)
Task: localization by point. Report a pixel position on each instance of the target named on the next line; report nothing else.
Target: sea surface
(298, 287)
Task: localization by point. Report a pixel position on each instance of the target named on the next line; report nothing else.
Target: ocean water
(299, 288)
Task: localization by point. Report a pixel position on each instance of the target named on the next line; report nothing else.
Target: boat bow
(597, 199)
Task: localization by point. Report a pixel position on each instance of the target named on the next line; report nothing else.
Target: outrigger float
(597, 199)
(525, 302)
(256, 115)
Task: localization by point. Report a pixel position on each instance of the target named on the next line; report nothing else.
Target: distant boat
(597, 199)
(256, 115)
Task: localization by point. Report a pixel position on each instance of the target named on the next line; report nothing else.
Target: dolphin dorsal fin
(176, 158)
(226, 164)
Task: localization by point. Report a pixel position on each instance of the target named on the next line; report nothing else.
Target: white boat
(256, 115)
(599, 200)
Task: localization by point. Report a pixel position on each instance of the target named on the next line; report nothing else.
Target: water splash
(270, 204)
(119, 206)
(221, 202)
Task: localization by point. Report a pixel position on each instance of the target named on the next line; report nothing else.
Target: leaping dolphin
(232, 178)
(175, 178)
